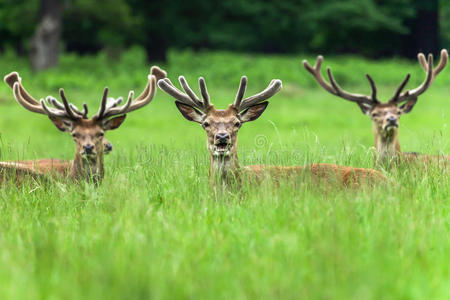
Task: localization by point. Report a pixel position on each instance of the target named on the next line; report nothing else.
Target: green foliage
(98, 24)
(368, 27)
(444, 20)
(17, 21)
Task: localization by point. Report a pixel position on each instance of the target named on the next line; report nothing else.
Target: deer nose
(222, 137)
(392, 119)
(108, 147)
(88, 148)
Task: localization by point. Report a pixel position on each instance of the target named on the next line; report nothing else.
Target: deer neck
(387, 145)
(89, 169)
(224, 168)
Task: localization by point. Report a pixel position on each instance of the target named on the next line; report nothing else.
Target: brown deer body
(88, 134)
(51, 166)
(385, 116)
(222, 126)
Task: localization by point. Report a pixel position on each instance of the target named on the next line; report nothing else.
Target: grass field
(155, 229)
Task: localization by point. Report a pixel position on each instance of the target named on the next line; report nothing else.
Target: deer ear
(253, 112)
(408, 106)
(113, 123)
(365, 108)
(63, 125)
(189, 112)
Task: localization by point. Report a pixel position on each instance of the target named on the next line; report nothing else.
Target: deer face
(89, 135)
(386, 116)
(222, 125)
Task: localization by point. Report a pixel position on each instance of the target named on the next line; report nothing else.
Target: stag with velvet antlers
(385, 116)
(88, 134)
(222, 126)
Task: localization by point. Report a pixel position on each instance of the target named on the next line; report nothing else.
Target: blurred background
(85, 45)
(42, 29)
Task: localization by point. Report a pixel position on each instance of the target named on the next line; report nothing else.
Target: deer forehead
(87, 127)
(385, 108)
(220, 116)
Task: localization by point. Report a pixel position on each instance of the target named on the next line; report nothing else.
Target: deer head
(385, 116)
(221, 125)
(88, 134)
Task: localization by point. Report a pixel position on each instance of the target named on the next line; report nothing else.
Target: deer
(87, 133)
(222, 126)
(59, 165)
(385, 116)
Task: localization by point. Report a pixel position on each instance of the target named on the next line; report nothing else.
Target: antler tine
(61, 110)
(273, 87)
(158, 72)
(167, 86)
(315, 72)
(350, 96)
(241, 92)
(22, 101)
(373, 86)
(53, 101)
(189, 91)
(442, 62)
(423, 61)
(83, 113)
(67, 109)
(333, 86)
(407, 95)
(14, 77)
(60, 114)
(120, 110)
(111, 102)
(155, 71)
(400, 89)
(204, 92)
(101, 110)
(130, 105)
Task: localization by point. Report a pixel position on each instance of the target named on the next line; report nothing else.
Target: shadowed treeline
(370, 27)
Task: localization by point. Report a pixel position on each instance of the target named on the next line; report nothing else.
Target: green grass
(155, 229)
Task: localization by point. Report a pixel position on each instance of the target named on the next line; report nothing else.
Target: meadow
(156, 229)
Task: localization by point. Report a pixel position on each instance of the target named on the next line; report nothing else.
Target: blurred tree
(45, 43)
(369, 27)
(424, 28)
(90, 26)
(444, 21)
(14, 32)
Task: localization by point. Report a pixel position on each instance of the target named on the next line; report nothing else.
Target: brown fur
(83, 132)
(88, 134)
(319, 173)
(227, 167)
(387, 144)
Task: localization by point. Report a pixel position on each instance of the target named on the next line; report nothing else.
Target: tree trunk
(45, 42)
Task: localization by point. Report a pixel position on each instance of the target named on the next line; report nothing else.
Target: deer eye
(237, 124)
(205, 124)
(100, 134)
(374, 115)
(75, 135)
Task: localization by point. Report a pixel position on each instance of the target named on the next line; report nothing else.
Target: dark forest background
(42, 29)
